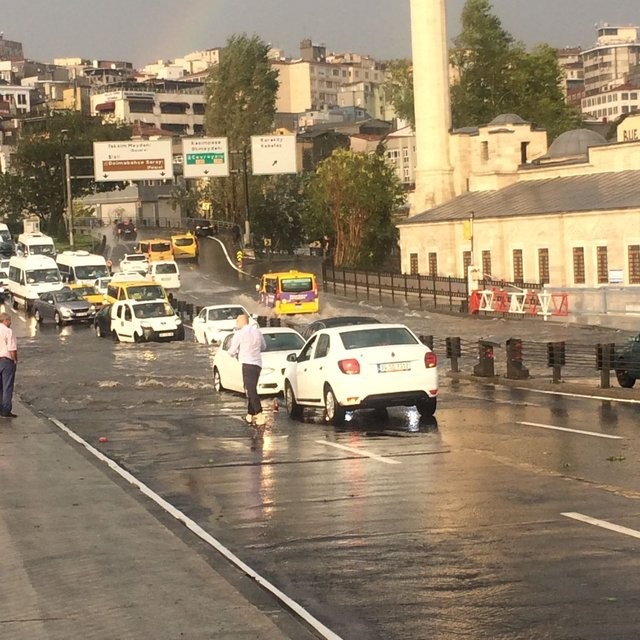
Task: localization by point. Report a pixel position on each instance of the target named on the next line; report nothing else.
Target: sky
(144, 31)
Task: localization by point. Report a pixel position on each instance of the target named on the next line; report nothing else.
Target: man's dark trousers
(7, 378)
(250, 375)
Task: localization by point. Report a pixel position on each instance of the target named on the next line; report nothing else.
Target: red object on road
(102, 439)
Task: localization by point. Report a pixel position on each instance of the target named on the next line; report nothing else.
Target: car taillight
(351, 367)
(278, 296)
(315, 292)
(430, 360)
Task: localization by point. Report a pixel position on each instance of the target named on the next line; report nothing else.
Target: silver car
(63, 307)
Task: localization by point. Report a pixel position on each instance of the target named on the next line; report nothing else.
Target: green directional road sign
(205, 158)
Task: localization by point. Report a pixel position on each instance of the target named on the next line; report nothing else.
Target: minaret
(434, 175)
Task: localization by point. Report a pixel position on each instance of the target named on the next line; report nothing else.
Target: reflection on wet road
(387, 527)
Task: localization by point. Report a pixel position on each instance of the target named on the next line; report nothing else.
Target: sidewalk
(81, 558)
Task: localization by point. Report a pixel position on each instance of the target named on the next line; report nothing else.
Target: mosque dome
(507, 119)
(574, 144)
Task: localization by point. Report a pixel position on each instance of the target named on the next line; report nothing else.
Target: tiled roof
(596, 192)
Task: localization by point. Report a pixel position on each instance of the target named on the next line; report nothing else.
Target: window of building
(625, 109)
(625, 96)
(518, 266)
(466, 262)
(543, 266)
(634, 264)
(413, 263)
(22, 98)
(484, 152)
(486, 264)
(433, 264)
(634, 96)
(578, 266)
(603, 265)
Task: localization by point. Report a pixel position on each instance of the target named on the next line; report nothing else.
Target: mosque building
(498, 197)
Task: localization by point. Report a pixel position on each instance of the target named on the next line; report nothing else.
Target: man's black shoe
(8, 415)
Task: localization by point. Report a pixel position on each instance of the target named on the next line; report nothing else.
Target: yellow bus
(289, 292)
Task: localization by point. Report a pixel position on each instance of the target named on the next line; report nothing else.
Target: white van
(166, 273)
(29, 276)
(35, 244)
(145, 320)
(81, 267)
(7, 246)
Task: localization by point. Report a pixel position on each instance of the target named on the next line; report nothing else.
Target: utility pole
(245, 175)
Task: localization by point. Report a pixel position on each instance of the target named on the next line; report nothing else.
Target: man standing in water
(8, 362)
(247, 345)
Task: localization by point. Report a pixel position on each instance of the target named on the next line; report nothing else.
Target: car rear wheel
(334, 411)
(37, 316)
(625, 380)
(217, 381)
(427, 408)
(294, 410)
(114, 335)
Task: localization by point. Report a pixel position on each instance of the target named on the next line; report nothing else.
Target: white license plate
(390, 367)
(82, 315)
(166, 334)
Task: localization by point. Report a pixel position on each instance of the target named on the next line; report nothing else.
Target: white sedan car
(281, 342)
(213, 323)
(134, 262)
(360, 367)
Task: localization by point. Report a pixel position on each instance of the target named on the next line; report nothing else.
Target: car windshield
(225, 313)
(166, 268)
(160, 247)
(67, 296)
(85, 291)
(183, 242)
(153, 310)
(91, 272)
(377, 337)
(146, 292)
(283, 341)
(42, 249)
(296, 285)
(35, 276)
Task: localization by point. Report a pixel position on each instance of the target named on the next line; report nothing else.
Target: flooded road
(387, 527)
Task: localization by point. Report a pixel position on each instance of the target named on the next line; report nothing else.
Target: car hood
(164, 323)
(76, 305)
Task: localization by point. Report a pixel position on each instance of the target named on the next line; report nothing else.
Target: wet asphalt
(453, 529)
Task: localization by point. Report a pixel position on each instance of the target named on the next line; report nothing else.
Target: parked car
(145, 321)
(627, 363)
(339, 321)
(212, 324)
(134, 262)
(63, 307)
(369, 366)
(281, 342)
(102, 322)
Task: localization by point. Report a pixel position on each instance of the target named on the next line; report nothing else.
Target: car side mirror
(258, 288)
(292, 357)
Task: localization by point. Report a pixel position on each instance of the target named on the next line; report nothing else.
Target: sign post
(205, 157)
(132, 160)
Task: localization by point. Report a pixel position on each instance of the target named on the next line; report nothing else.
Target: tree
(279, 213)
(354, 198)
(241, 102)
(399, 89)
(497, 75)
(35, 183)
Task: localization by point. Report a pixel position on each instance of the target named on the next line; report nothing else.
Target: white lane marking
(579, 431)
(195, 528)
(231, 263)
(603, 524)
(358, 452)
(580, 396)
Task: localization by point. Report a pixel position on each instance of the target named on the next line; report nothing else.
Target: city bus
(289, 292)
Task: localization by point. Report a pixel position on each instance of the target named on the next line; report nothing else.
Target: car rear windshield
(153, 310)
(283, 341)
(160, 246)
(132, 257)
(166, 268)
(146, 292)
(91, 272)
(376, 337)
(183, 242)
(226, 313)
(296, 285)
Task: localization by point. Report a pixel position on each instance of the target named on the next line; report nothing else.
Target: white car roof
(268, 330)
(361, 327)
(224, 306)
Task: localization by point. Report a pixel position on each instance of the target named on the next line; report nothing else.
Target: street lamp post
(67, 171)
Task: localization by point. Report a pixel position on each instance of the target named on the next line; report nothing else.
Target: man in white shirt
(247, 345)
(8, 362)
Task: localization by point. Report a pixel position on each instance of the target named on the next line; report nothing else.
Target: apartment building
(610, 105)
(318, 81)
(15, 100)
(178, 107)
(607, 64)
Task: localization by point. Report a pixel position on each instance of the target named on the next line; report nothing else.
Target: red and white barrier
(531, 303)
